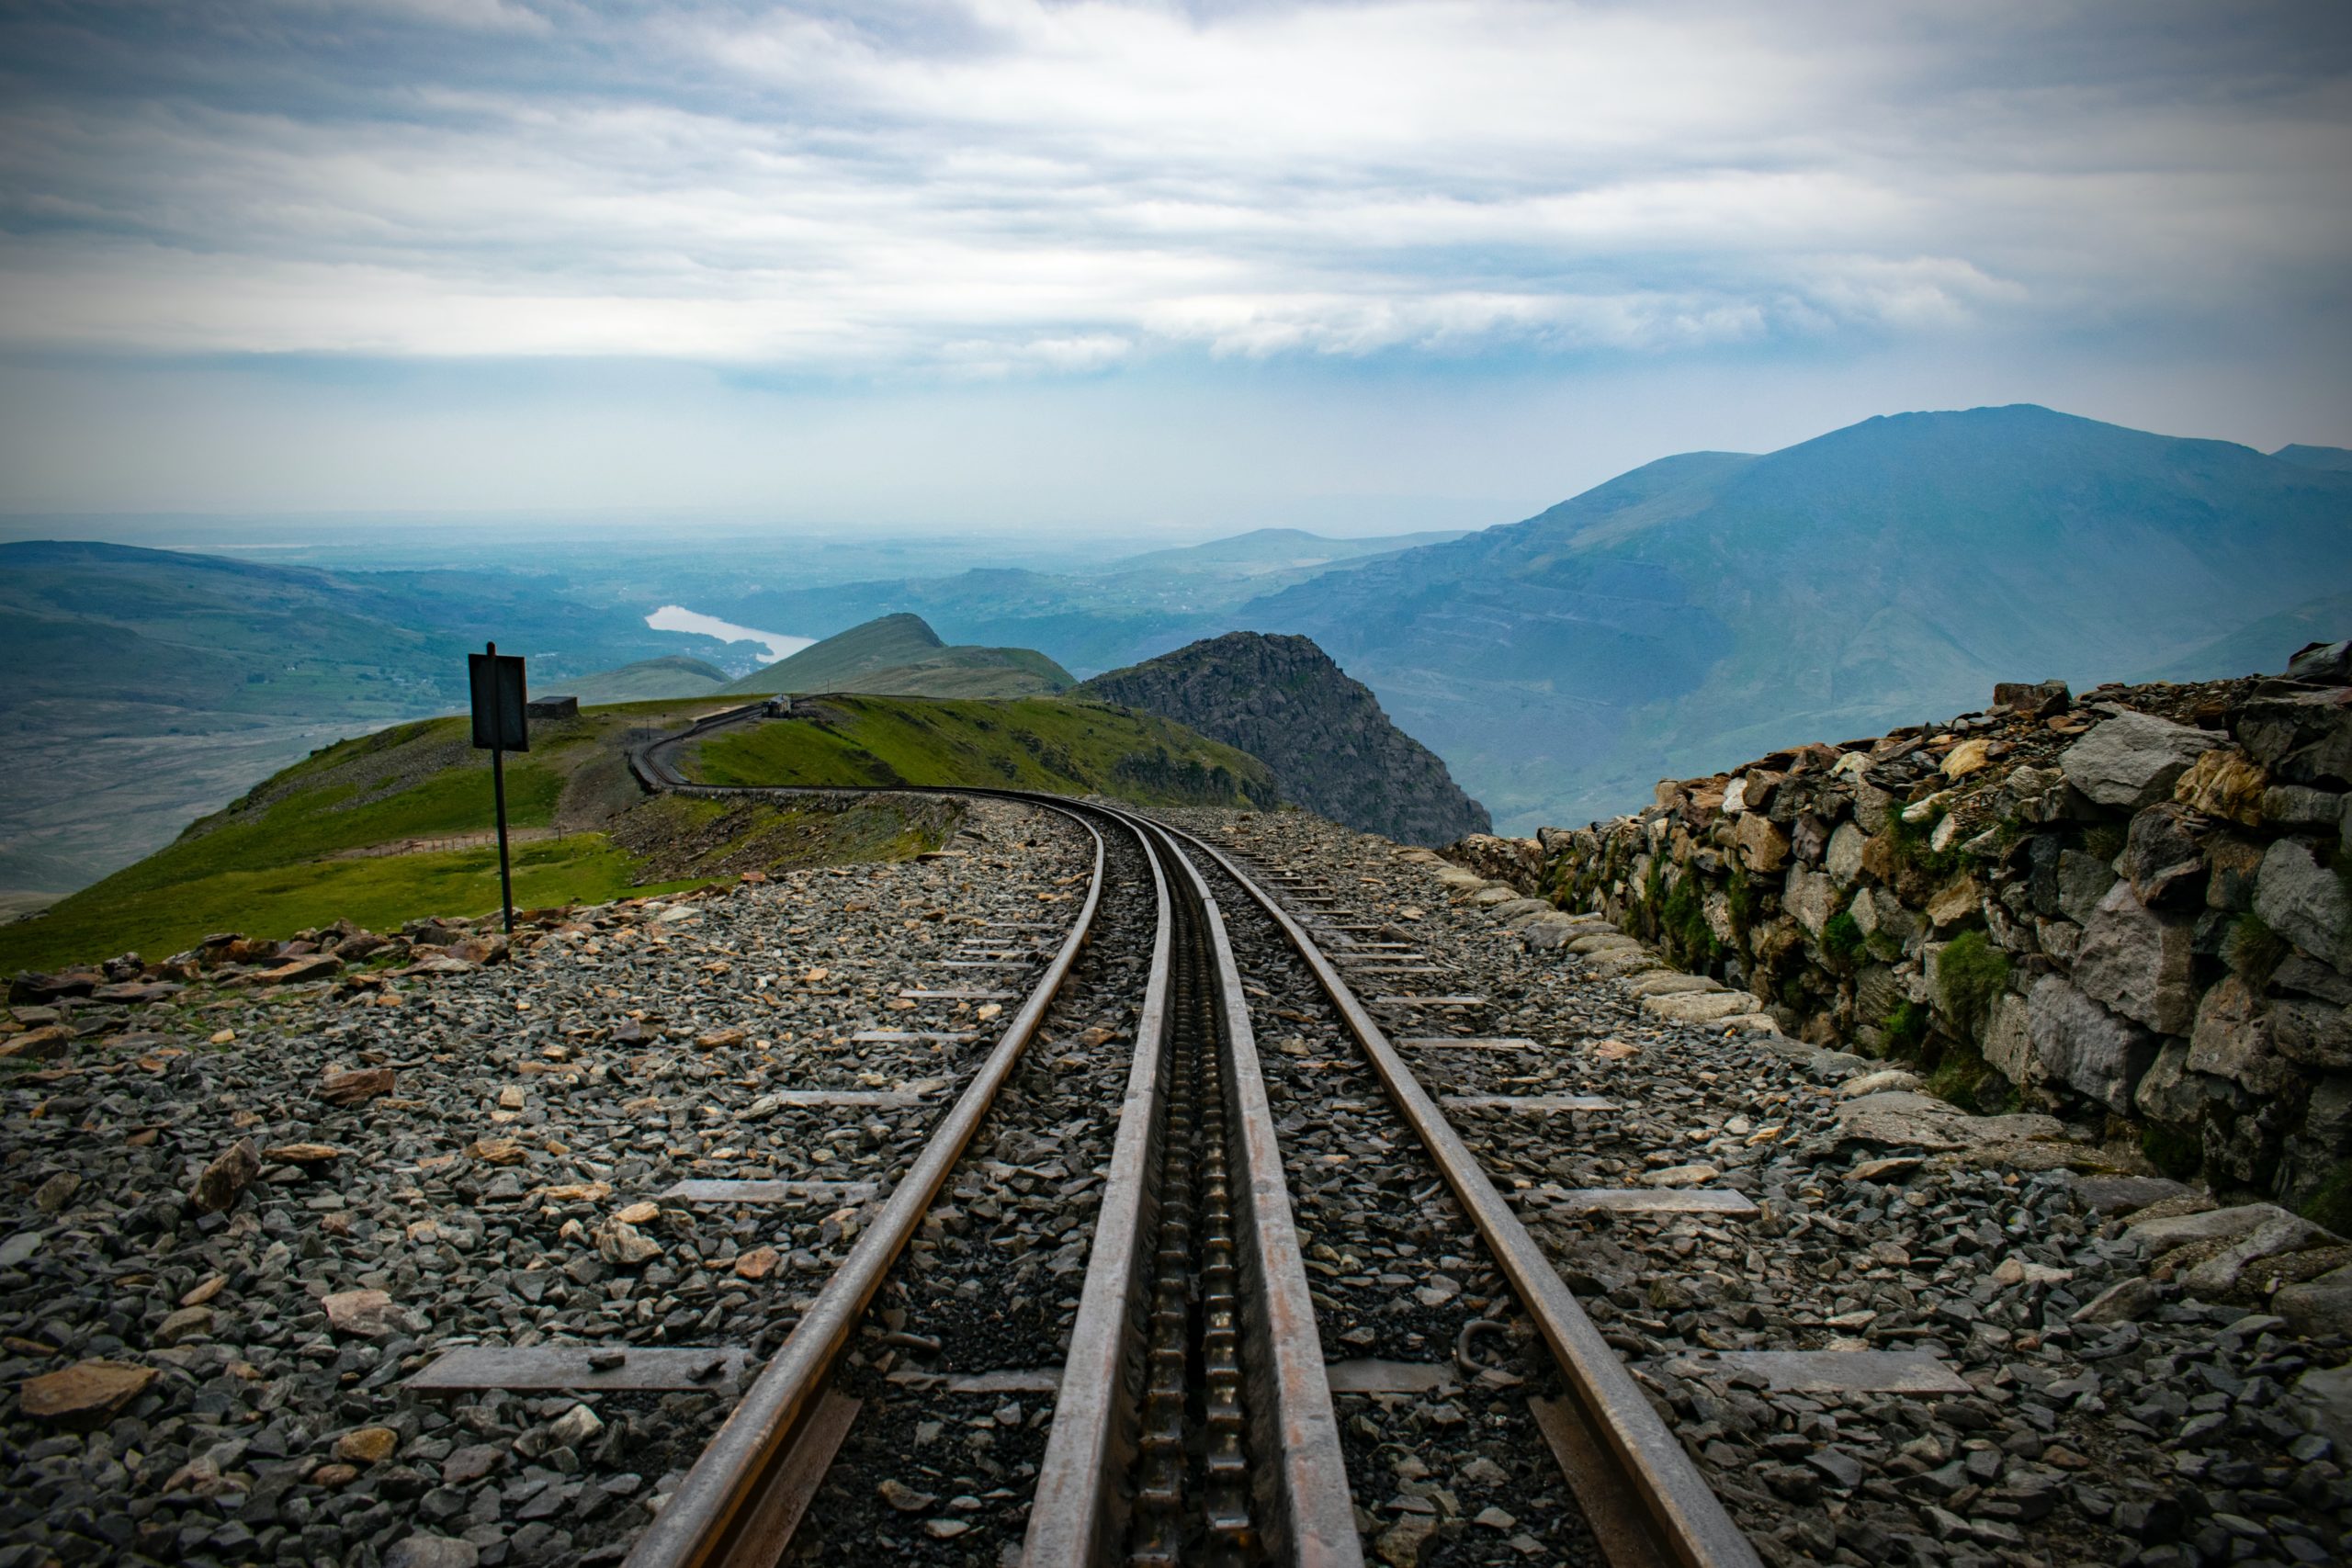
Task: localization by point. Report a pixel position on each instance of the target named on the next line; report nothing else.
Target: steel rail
(728, 1509)
(1300, 1484)
(1683, 1521)
(1645, 1498)
(1078, 1510)
(1299, 1497)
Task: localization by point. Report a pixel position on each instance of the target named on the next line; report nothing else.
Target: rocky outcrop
(1333, 750)
(2135, 909)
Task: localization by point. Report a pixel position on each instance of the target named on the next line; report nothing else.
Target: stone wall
(2134, 908)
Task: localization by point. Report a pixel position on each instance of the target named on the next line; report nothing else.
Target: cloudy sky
(995, 264)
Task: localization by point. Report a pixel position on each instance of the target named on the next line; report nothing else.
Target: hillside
(645, 681)
(1707, 606)
(899, 655)
(1038, 743)
(1332, 748)
(146, 687)
(396, 825)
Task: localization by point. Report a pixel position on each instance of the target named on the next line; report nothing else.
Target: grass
(279, 859)
(1904, 1030)
(1842, 937)
(2332, 1206)
(379, 892)
(1036, 743)
(2253, 950)
(1969, 975)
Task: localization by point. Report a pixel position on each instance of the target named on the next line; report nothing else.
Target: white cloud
(1010, 187)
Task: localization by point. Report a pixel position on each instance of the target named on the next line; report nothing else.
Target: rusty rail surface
(1631, 1456)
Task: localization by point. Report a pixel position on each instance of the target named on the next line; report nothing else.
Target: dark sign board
(500, 722)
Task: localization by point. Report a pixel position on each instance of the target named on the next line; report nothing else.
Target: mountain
(1093, 618)
(900, 655)
(1332, 748)
(1707, 607)
(675, 676)
(146, 687)
(1263, 550)
(2335, 459)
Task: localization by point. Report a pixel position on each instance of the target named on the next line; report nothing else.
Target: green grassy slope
(900, 655)
(1066, 747)
(394, 826)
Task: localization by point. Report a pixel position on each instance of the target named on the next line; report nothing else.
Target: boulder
(2081, 1043)
(2305, 902)
(2166, 1231)
(1843, 857)
(368, 1314)
(2139, 962)
(1811, 896)
(1956, 902)
(2040, 698)
(2009, 1038)
(2301, 737)
(2122, 1194)
(2232, 864)
(2316, 1034)
(355, 1086)
(2321, 1400)
(2134, 758)
(1901, 1118)
(2082, 881)
(1763, 848)
(2232, 1039)
(1700, 1006)
(2285, 808)
(2170, 1092)
(2223, 782)
(2236, 1266)
(2318, 1307)
(2325, 664)
(2163, 858)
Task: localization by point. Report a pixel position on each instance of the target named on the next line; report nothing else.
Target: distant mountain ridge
(899, 655)
(1707, 606)
(645, 681)
(2336, 459)
(1332, 748)
(1091, 618)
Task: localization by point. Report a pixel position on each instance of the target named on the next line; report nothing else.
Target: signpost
(501, 726)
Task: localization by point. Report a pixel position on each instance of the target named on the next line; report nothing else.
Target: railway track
(1194, 1417)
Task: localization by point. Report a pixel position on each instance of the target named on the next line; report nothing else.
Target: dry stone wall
(2133, 908)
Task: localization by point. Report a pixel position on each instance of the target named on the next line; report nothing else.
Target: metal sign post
(501, 725)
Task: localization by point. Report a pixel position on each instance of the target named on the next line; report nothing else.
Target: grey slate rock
(2132, 760)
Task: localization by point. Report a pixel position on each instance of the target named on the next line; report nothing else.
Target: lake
(678, 618)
